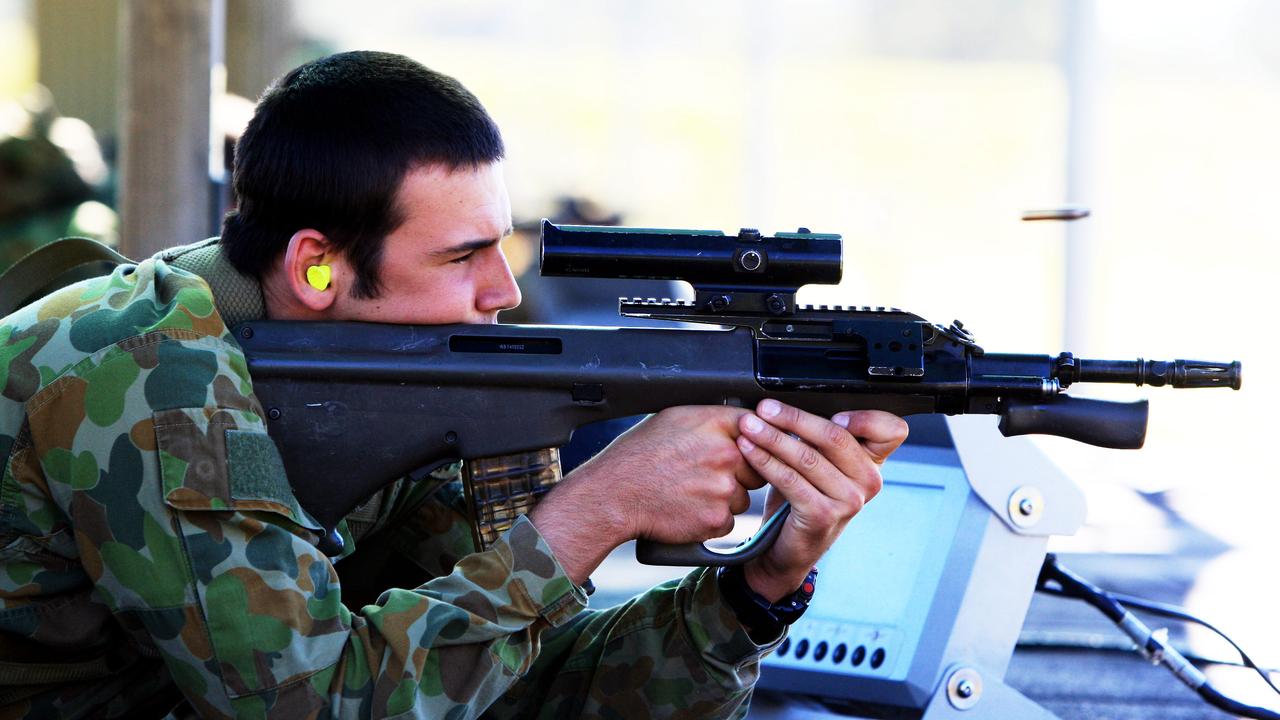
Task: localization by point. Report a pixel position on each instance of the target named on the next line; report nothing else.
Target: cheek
(429, 304)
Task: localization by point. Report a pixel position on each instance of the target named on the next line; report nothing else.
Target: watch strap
(754, 611)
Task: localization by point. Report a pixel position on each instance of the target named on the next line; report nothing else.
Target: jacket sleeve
(675, 651)
(156, 450)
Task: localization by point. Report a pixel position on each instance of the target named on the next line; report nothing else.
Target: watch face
(790, 608)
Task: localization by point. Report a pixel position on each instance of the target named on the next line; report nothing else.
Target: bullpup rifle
(353, 406)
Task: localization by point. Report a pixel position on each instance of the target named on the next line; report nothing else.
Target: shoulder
(139, 311)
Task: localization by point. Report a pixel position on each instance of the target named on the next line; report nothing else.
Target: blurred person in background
(53, 181)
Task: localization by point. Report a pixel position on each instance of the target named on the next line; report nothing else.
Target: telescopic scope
(705, 258)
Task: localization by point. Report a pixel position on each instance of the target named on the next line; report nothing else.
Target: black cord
(1173, 611)
(1153, 645)
(1222, 702)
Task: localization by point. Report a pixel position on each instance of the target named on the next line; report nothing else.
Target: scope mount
(895, 340)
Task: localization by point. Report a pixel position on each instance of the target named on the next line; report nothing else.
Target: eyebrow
(470, 245)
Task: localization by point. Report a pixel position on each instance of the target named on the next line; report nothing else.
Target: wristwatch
(764, 618)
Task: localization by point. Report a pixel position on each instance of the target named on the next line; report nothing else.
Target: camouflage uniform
(149, 544)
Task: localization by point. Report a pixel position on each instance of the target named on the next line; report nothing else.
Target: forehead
(439, 205)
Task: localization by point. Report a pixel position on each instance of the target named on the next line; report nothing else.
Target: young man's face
(443, 264)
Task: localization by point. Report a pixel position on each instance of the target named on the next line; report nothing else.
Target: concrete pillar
(1081, 257)
(78, 58)
(164, 192)
(260, 42)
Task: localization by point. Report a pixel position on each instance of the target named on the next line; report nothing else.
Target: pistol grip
(649, 552)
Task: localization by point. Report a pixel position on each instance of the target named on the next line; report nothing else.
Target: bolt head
(1027, 506)
(964, 689)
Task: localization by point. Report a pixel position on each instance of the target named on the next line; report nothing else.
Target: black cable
(1153, 645)
(1222, 702)
(1075, 586)
(1173, 611)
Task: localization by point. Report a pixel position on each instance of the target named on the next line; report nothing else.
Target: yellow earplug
(318, 276)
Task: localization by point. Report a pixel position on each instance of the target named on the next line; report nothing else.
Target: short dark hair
(328, 147)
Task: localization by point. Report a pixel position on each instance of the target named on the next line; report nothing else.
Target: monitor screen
(869, 574)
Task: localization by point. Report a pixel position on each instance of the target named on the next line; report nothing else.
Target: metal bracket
(897, 351)
(1000, 468)
(989, 699)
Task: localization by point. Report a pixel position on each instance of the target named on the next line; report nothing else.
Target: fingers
(780, 475)
(823, 453)
(719, 422)
(740, 502)
(772, 502)
(746, 475)
(880, 432)
(827, 469)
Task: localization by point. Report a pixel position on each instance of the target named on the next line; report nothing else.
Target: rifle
(353, 406)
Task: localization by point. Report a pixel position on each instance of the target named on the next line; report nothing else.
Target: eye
(462, 260)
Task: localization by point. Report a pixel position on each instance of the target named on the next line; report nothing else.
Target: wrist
(580, 531)
(763, 619)
(580, 497)
(772, 583)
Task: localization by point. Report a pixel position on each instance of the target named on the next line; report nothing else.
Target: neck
(280, 302)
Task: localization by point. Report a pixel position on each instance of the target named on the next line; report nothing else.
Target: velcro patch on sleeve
(258, 478)
(255, 468)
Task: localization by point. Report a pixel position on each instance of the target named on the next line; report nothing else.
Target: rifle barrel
(1174, 373)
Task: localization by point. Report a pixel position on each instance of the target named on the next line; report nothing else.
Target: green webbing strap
(43, 265)
(12, 673)
(19, 681)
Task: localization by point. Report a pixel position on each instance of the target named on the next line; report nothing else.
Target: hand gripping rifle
(353, 406)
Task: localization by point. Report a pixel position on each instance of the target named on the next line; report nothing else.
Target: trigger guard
(649, 552)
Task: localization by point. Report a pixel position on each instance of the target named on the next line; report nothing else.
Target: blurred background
(918, 129)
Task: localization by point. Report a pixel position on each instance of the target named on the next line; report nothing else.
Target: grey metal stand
(921, 602)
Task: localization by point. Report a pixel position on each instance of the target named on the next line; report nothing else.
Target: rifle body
(353, 406)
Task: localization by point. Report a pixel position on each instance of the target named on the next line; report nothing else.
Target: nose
(499, 290)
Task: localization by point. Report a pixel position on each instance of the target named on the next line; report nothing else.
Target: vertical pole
(219, 182)
(164, 124)
(260, 40)
(78, 59)
(1080, 67)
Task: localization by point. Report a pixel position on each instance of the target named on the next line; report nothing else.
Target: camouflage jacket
(150, 546)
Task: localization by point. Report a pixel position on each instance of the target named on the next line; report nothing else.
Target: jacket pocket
(223, 463)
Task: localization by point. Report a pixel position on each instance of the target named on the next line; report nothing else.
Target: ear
(308, 248)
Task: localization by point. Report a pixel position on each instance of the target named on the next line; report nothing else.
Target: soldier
(153, 552)
(52, 178)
